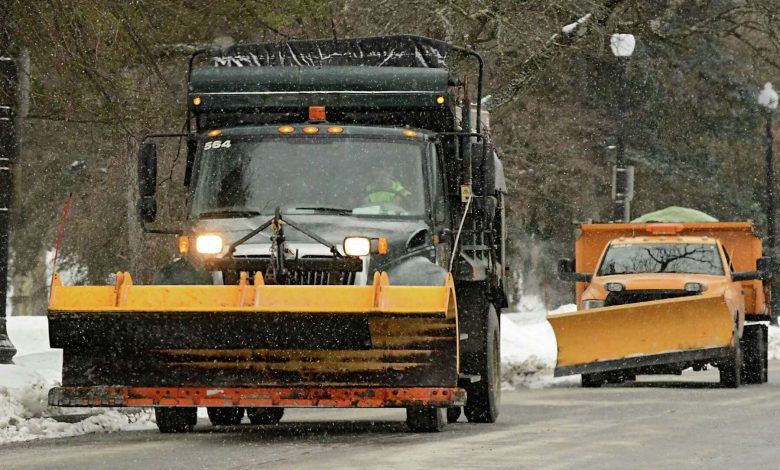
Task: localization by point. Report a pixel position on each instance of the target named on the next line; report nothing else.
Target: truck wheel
(453, 414)
(225, 416)
(619, 377)
(731, 368)
(170, 420)
(425, 419)
(265, 415)
(484, 397)
(593, 380)
(755, 352)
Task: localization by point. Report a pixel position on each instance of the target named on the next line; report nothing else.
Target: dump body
(660, 297)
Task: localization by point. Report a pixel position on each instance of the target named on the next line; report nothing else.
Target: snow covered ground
(24, 412)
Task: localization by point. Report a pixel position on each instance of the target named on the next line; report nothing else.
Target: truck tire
(225, 416)
(453, 414)
(755, 354)
(730, 369)
(174, 420)
(425, 419)
(265, 415)
(593, 380)
(483, 398)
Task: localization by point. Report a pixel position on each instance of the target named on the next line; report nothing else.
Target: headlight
(614, 286)
(694, 287)
(357, 246)
(208, 244)
(589, 304)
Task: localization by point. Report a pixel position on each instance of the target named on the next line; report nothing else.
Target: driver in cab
(385, 188)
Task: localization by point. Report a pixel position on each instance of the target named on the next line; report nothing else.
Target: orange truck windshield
(689, 258)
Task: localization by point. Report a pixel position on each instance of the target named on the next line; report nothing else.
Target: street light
(767, 99)
(622, 46)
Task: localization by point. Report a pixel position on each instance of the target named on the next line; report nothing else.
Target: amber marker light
(440, 99)
(215, 133)
(316, 113)
(310, 130)
(335, 130)
(409, 133)
(184, 244)
(286, 130)
(381, 246)
(197, 101)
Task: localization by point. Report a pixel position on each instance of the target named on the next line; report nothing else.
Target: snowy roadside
(24, 412)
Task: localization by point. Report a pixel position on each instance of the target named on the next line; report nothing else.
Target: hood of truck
(654, 281)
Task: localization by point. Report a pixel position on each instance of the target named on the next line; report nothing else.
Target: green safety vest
(383, 193)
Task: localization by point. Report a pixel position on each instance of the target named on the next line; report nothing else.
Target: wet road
(659, 422)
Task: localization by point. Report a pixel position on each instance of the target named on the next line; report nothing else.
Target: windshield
(337, 175)
(662, 258)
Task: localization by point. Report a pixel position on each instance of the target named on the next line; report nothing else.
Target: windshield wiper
(329, 209)
(229, 213)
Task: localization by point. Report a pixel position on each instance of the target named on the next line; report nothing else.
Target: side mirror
(192, 147)
(147, 182)
(566, 272)
(763, 271)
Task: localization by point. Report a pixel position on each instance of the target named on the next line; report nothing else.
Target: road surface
(659, 422)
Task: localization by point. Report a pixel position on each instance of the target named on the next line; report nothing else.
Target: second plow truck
(344, 246)
(658, 298)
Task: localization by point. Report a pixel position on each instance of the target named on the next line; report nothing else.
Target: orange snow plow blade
(642, 334)
(253, 335)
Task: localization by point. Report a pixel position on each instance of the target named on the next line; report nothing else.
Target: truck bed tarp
(674, 214)
(386, 51)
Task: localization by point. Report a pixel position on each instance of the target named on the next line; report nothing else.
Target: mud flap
(642, 334)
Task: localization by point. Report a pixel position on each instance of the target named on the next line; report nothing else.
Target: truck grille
(321, 278)
(635, 296)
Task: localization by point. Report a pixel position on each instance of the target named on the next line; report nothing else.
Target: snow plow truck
(657, 298)
(344, 246)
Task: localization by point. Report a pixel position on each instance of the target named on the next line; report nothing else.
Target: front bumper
(294, 397)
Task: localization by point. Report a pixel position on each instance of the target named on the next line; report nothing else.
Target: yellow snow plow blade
(256, 335)
(642, 334)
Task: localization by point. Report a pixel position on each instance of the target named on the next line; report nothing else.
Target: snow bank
(528, 347)
(774, 342)
(24, 386)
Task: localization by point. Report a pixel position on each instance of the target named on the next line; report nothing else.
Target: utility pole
(8, 152)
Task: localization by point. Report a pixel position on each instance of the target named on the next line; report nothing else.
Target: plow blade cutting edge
(642, 334)
(257, 336)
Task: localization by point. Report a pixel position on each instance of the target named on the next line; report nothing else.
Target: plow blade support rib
(642, 334)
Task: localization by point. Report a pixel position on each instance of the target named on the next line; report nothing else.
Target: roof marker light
(665, 229)
(409, 133)
(316, 113)
(286, 130)
(215, 132)
(311, 130)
